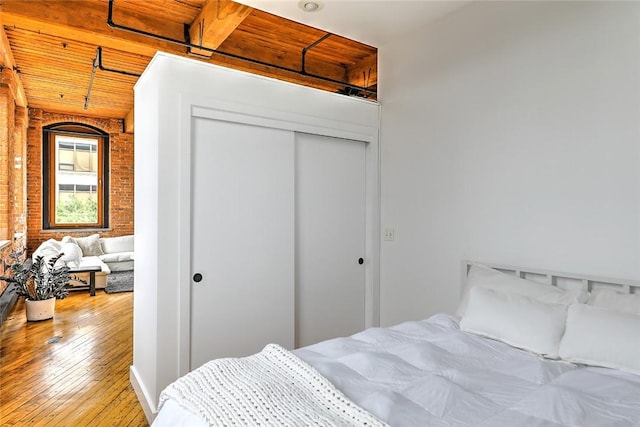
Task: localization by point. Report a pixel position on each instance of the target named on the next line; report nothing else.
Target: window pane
(83, 161)
(76, 175)
(65, 157)
(93, 165)
(77, 208)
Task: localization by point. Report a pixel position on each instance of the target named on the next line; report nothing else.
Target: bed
(526, 347)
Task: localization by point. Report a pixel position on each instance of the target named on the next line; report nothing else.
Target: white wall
(510, 133)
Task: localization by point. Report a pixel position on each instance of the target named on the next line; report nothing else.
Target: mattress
(429, 373)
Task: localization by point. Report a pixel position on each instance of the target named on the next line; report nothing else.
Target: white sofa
(108, 253)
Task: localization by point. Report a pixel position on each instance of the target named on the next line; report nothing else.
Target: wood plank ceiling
(52, 47)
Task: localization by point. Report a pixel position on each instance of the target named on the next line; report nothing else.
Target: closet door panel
(242, 238)
(330, 237)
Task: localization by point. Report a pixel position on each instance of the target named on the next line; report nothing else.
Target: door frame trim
(192, 106)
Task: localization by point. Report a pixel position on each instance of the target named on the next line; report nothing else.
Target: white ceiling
(373, 22)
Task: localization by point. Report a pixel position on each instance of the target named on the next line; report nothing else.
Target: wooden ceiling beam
(215, 22)
(87, 21)
(128, 122)
(8, 61)
(365, 72)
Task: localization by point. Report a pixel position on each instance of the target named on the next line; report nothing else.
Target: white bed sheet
(429, 373)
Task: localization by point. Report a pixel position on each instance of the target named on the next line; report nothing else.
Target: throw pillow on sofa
(117, 244)
(72, 253)
(90, 245)
(49, 248)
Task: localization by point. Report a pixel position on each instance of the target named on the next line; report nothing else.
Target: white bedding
(429, 373)
(269, 388)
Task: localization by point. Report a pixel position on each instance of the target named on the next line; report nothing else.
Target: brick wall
(12, 174)
(7, 124)
(19, 176)
(120, 176)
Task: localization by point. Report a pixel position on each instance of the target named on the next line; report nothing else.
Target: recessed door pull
(197, 277)
(360, 261)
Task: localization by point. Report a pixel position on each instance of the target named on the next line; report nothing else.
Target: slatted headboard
(562, 280)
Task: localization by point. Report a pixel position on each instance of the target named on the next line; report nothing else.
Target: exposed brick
(12, 176)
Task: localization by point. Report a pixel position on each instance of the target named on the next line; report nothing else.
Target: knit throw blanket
(270, 388)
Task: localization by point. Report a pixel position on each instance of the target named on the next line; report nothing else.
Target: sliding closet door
(242, 239)
(330, 238)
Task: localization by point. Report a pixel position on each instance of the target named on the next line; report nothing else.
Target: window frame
(49, 172)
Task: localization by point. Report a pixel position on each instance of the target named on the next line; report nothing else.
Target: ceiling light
(309, 5)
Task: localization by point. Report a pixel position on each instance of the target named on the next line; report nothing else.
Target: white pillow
(47, 250)
(602, 337)
(480, 275)
(608, 298)
(72, 253)
(90, 245)
(517, 320)
(112, 245)
(53, 243)
(68, 239)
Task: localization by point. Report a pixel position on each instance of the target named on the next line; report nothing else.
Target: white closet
(256, 217)
(277, 238)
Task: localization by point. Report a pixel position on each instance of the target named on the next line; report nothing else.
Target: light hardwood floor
(72, 370)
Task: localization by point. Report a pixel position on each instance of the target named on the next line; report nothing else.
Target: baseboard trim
(148, 404)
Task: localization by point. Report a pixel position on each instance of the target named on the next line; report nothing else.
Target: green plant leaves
(39, 280)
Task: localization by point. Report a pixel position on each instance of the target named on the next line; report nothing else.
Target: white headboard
(562, 280)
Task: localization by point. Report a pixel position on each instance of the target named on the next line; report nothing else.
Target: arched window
(75, 176)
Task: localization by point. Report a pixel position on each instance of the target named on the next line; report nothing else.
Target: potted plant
(40, 282)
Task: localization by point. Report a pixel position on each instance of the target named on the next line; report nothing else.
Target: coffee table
(92, 270)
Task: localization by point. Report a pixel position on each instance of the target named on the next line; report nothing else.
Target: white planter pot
(40, 310)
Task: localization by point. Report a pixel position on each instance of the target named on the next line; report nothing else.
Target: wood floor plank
(72, 370)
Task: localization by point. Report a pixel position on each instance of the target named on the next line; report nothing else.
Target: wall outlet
(389, 234)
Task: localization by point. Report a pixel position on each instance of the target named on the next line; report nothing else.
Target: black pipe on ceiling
(97, 64)
(311, 46)
(111, 70)
(354, 88)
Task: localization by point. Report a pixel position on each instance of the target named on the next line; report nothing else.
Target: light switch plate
(389, 234)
